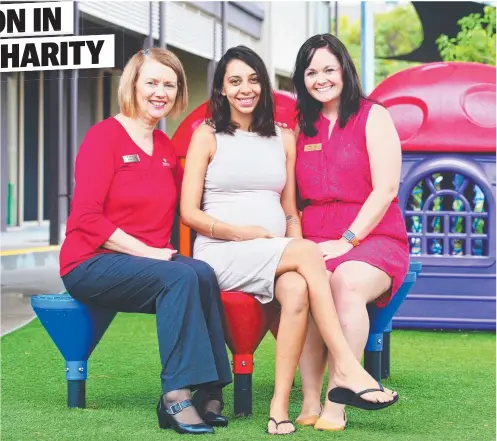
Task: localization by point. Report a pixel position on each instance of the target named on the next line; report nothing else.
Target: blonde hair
(126, 93)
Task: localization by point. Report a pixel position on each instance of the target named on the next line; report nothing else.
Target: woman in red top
(348, 172)
(117, 252)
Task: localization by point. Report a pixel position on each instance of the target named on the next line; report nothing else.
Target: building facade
(45, 115)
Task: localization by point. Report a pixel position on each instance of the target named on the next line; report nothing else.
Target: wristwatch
(351, 238)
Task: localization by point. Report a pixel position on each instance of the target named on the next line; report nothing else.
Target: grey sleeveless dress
(243, 186)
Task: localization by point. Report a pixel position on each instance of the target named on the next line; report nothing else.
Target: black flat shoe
(200, 399)
(166, 419)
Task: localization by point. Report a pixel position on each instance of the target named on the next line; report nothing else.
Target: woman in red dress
(348, 172)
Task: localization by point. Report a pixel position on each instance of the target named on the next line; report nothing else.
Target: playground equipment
(445, 116)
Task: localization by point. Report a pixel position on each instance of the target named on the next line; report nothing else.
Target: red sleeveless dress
(334, 182)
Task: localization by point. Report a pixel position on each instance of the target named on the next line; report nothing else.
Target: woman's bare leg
(304, 257)
(291, 293)
(312, 366)
(354, 285)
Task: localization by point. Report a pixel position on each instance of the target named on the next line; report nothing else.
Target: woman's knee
(360, 285)
(178, 274)
(306, 250)
(205, 272)
(292, 293)
(346, 284)
(349, 303)
(359, 281)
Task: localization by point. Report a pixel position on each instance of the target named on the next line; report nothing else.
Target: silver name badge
(131, 158)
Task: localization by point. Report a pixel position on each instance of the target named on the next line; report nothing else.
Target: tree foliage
(397, 32)
(474, 42)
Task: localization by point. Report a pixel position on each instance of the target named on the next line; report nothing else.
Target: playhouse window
(447, 215)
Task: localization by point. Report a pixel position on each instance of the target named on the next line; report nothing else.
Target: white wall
(286, 26)
(187, 27)
(290, 28)
(190, 33)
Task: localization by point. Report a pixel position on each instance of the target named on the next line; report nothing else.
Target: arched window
(448, 207)
(447, 214)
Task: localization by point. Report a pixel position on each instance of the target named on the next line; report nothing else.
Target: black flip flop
(341, 395)
(277, 424)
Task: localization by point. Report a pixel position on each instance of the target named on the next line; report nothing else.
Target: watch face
(348, 235)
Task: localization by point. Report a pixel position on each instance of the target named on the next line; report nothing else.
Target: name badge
(131, 158)
(312, 147)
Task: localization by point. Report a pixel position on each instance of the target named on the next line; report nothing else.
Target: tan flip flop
(310, 420)
(328, 426)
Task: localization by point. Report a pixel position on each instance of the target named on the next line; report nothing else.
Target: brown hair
(263, 115)
(308, 108)
(127, 84)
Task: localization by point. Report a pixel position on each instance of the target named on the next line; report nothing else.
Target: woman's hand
(160, 253)
(251, 232)
(335, 248)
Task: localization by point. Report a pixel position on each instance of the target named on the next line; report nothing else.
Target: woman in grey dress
(239, 195)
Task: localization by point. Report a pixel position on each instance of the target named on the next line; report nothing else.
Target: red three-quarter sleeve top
(117, 185)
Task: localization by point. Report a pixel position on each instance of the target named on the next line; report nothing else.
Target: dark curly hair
(308, 108)
(263, 116)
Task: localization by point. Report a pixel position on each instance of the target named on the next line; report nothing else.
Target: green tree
(474, 42)
(397, 32)
(350, 35)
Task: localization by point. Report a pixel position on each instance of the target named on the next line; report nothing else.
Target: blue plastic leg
(385, 356)
(377, 352)
(381, 327)
(76, 370)
(372, 364)
(385, 353)
(76, 375)
(76, 393)
(372, 355)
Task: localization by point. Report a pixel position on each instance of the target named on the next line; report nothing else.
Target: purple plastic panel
(449, 206)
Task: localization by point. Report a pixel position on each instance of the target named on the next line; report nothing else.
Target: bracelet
(211, 228)
(290, 220)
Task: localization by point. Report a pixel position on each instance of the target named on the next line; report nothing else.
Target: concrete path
(29, 266)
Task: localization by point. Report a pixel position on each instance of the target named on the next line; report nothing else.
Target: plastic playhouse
(445, 116)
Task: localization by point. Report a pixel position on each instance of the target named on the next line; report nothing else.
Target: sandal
(328, 426)
(345, 396)
(310, 420)
(277, 424)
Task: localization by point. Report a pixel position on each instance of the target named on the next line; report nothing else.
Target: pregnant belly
(266, 213)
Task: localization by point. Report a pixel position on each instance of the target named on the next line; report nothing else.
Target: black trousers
(183, 294)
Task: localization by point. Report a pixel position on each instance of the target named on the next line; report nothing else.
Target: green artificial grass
(446, 383)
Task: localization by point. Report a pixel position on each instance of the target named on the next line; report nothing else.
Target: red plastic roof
(442, 107)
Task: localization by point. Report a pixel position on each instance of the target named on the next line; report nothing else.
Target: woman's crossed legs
(303, 263)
